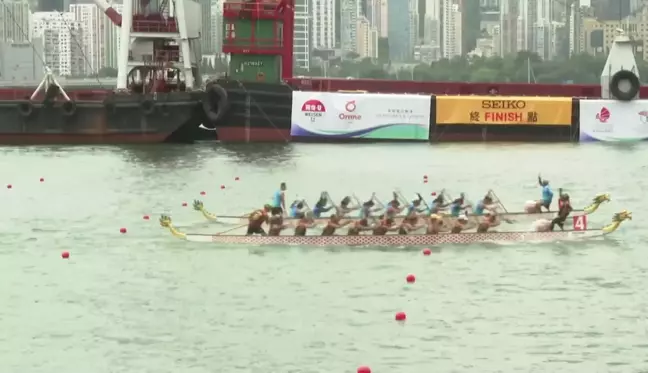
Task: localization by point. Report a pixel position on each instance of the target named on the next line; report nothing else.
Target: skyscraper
(323, 24)
(14, 21)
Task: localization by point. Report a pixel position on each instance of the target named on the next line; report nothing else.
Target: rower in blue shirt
(279, 200)
(321, 205)
(547, 195)
(296, 209)
(437, 204)
(482, 205)
(457, 205)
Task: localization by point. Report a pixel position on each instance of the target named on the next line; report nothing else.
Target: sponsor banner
(503, 110)
(360, 115)
(611, 120)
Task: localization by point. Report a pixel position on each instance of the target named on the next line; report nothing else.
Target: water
(145, 302)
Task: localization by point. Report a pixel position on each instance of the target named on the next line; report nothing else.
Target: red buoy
(145, 217)
(237, 178)
(433, 194)
(400, 316)
(425, 176)
(122, 230)
(65, 255)
(9, 186)
(427, 252)
(202, 193)
(364, 369)
(410, 278)
(425, 181)
(42, 179)
(222, 186)
(184, 204)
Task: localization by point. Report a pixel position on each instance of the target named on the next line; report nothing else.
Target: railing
(167, 56)
(251, 10)
(154, 24)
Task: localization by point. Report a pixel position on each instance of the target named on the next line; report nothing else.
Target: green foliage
(579, 69)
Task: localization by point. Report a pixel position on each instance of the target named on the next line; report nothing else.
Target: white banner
(611, 120)
(360, 115)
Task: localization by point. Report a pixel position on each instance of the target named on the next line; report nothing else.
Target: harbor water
(147, 302)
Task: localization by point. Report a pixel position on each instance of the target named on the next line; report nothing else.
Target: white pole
(124, 45)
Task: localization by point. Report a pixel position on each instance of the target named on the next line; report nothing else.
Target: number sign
(580, 222)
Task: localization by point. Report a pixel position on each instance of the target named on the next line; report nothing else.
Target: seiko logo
(503, 104)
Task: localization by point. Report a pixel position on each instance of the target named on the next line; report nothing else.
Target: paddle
(229, 230)
(496, 200)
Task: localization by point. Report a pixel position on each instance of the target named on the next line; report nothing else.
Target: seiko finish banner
(611, 120)
(360, 115)
(487, 110)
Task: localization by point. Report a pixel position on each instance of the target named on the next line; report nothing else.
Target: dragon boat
(580, 232)
(510, 217)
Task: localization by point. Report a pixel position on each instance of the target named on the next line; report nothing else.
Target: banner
(360, 115)
(611, 120)
(503, 110)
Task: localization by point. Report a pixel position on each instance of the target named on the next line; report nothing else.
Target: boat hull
(113, 119)
(515, 217)
(397, 240)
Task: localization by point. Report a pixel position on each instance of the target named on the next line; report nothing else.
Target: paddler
(434, 224)
(279, 200)
(547, 195)
(393, 207)
(385, 225)
(296, 208)
(437, 204)
(304, 223)
(564, 209)
(483, 204)
(488, 220)
(276, 223)
(321, 205)
(344, 207)
(334, 223)
(407, 226)
(256, 220)
(368, 207)
(457, 205)
(358, 226)
(462, 224)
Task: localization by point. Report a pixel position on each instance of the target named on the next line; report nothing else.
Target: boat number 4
(580, 222)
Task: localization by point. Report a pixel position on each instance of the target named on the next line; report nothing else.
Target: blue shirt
(547, 193)
(294, 211)
(410, 208)
(432, 207)
(479, 208)
(317, 212)
(365, 211)
(455, 209)
(276, 199)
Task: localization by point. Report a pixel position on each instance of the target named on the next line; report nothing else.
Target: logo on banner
(603, 115)
(313, 109)
(350, 107)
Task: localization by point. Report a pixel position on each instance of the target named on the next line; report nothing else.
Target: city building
(508, 27)
(61, 37)
(323, 24)
(302, 44)
(217, 26)
(91, 20)
(349, 14)
(402, 29)
(21, 62)
(367, 45)
(452, 27)
(207, 45)
(14, 21)
(112, 36)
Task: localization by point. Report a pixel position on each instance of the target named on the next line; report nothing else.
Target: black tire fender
(620, 76)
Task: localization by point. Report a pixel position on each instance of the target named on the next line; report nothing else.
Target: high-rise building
(112, 36)
(92, 20)
(302, 43)
(383, 19)
(528, 26)
(323, 24)
(452, 35)
(21, 63)
(349, 14)
(206, 41)
(217, 26)
(14, 21)
(508, 28)
(61, 36)
(402, 29)
(367, 45)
